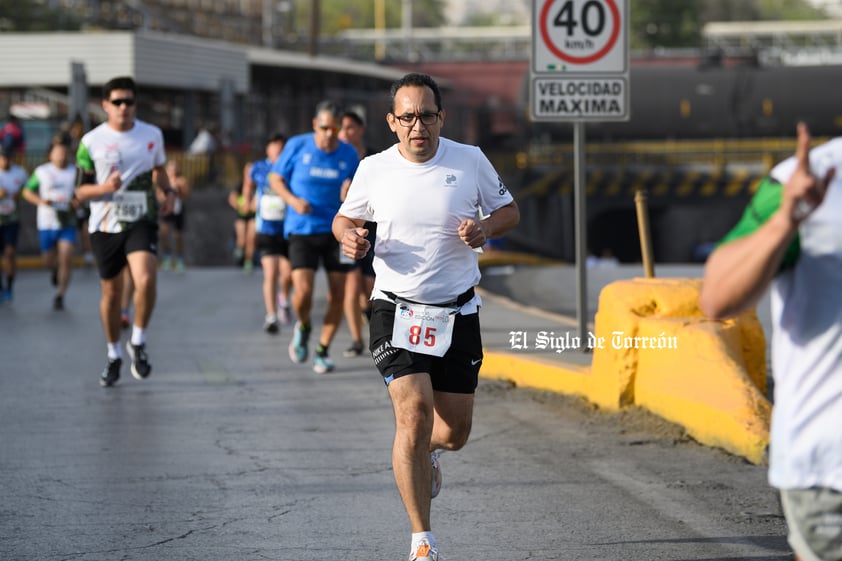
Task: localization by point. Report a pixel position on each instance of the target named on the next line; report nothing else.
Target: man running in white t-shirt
(123, 163)
(426, 194)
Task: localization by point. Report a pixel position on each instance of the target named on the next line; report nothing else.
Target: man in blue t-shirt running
(312, 175)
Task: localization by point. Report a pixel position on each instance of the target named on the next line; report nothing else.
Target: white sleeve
(356, 204)
(161, 155)
(493, 193)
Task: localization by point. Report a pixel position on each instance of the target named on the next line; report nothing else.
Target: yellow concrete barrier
(621, 306)
(657, 350)
(705, 384)
(662, 354)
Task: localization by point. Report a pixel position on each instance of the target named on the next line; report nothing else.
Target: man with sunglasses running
(122, 162)
(435, 202)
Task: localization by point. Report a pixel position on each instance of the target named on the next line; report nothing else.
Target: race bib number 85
(423, 329)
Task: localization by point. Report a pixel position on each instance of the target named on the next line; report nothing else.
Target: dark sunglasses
(128, 102)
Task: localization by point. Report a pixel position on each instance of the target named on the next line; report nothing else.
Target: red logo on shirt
(150, 146)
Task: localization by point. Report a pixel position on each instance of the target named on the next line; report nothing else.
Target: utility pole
(380, 26)
(268, 23)
(406, 25)
(315, 28)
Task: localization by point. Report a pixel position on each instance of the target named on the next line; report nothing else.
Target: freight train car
(726, 113)
(705, 102)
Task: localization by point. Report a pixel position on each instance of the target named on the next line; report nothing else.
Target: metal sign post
(581, 225)
(580, 73)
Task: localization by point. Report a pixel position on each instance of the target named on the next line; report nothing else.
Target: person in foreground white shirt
(426, 194)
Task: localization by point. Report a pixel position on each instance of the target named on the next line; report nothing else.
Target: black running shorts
(366, 264)
(110, 250)
(274, 245)
(456, 372)
(306, 251)
(177, 220)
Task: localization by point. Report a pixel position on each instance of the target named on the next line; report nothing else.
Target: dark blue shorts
(9, 235)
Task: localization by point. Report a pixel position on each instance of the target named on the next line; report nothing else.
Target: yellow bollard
(643, 232)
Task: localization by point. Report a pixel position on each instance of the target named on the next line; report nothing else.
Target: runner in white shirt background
(12, 179)
(123, 161)
(426, 194)
(51, 188)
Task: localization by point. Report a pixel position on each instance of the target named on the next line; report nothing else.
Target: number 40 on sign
(579, 36)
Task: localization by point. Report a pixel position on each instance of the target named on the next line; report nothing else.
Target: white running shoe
(270, 324)
(322, 364)
(424, 552)
(298, 346)
(284, 314)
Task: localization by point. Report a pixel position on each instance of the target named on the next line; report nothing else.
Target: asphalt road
(230, 452)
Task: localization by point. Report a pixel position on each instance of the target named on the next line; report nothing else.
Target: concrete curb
(35, 262)
(533, 372)
(497, 258)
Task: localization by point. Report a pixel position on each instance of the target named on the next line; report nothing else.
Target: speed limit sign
(580, 68)
(579, 36)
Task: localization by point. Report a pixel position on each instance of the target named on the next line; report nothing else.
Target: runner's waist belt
(460, 301)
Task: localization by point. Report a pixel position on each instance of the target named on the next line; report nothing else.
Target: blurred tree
(724, 10)
(482, 19)
(664, 23)
(667, 23)
(789, 10)
(31, 15)
(338, 15)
